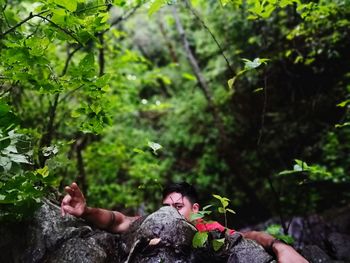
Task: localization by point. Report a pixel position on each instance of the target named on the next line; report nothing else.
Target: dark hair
(183, 188)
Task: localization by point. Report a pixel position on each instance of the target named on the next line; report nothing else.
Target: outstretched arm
(284, 253)
(74, 203)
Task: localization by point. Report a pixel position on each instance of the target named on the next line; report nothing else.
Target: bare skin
(74, 203)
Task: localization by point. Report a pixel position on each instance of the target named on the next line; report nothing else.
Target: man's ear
(195, 208)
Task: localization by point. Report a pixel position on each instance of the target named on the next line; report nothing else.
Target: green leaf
(136, 150)
(195, 216)
(44, 172)
(155, 6)
(199, 239)
(70, 5)
(221, 210)
(206, 207)
(218, 243)
(230, 210)
(217, 197)
(274, 229)
(258, 90)
(230, 82)
(343, 103)
(248, 65)
(342, 125)
(4, 108)
(189, 76)
(155, 146)
(87, 65)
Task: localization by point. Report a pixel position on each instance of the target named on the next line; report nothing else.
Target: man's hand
(74, 202)
(286, 254)
(283, 252)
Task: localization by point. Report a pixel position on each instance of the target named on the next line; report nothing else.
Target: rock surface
(163, 236)
(319, 238)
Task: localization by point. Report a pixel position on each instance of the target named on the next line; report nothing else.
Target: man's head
(183, 197)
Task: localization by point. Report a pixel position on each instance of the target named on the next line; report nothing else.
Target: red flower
(203, 226)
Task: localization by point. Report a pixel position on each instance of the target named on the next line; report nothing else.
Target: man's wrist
(277, 245)
(86, 212)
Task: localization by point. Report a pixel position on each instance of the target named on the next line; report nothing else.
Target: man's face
(182, 204)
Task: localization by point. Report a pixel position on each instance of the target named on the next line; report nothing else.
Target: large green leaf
(155, 6)
(199, 239)
(70, 5)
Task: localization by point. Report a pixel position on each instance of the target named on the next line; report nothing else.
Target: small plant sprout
(223, 208)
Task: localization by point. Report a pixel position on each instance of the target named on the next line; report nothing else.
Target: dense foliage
(248, 99)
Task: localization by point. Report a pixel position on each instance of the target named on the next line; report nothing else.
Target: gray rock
(48, 237)
(248, 251)
(315, 254)
(339, 245)
(163, 236)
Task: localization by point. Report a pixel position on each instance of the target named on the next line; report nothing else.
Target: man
(181, 196)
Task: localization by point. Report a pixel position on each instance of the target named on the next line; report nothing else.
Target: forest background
(245, 99)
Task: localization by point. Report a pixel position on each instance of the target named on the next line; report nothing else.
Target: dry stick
(200, 78)
(194, 12)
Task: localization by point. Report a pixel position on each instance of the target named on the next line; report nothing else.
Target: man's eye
(178, 207)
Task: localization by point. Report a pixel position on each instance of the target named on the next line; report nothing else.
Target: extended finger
(65, 201)
(69, 190)
(76, 190)
(62, 211)
(68, 209)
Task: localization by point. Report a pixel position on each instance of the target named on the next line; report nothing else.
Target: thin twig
(122, 18)
(70, 55)
(194, 12)
(61, 28)
(263, 114)
(70, 92)
(34, 32)
(93, 7)
(101, 55)
(22, 22)
(5, 5)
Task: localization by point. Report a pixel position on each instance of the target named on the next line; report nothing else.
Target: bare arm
(74, 203)
(284, 253)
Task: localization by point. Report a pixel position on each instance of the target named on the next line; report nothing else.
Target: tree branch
(101, 55)
(47, 137)
(194, 12)
(61, 28)
(167, 40)
(70, 92)
(69, 58)
(200, 78)
(122, 18)
(79, 147)
(22, 22)
(94, 7)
